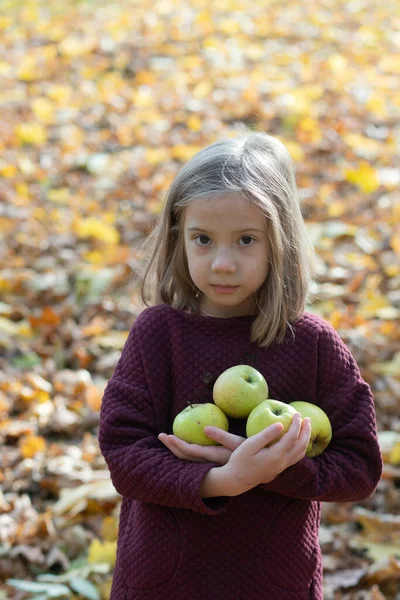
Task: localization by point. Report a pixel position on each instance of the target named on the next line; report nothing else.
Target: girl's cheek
(202, 250)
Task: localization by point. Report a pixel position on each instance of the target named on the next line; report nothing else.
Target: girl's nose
(223, 262)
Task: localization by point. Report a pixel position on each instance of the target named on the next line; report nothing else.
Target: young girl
(228, 274)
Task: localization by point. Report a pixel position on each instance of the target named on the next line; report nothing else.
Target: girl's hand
(196, 453)
(251, 463)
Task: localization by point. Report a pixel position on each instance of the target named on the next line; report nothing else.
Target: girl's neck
(226, 316)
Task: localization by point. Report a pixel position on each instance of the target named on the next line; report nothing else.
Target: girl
(228, 274)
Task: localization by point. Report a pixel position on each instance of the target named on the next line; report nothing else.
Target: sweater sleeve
(350, 468)
(140, 466)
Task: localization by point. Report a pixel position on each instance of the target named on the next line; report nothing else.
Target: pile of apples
(241, 392)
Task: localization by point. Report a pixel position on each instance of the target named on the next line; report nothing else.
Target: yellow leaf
(254, 52)
(22, 190)
(105, 589)
(362, 144)
(202, 90)
(102, 552)
(145, 78)
(337, 208)
(395, 242)
(95, 257)
(5, 286)
(372, 303)
(74, 45)
(394, 457)
(109, 529)
(390, 64)
(43, 110)
(143, 98)
(191, 62)
(29, 395)
(92, 227)
(8, 327)
(364, 177)
(93, 397)
(59, 196)
(28, 70)
(325, 191)
(7, 170)
(184, 152)
(337, 63)
(311, 128)
(32, 134)
(295, 150)
(156, 156)
(376, 104)
(212, 42)
(229, 26)
(5, 68)
(59, 93)
(204, 17)
(5, 22)
(194, 123)
(30, 445)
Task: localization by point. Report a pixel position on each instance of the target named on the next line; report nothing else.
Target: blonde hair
(259, 167)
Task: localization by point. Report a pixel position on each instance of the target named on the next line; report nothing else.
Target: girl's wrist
(219, 481)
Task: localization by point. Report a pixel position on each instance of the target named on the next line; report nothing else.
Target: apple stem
(190, 404)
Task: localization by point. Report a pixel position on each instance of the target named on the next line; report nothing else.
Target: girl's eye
(202, 240)
(247, 240)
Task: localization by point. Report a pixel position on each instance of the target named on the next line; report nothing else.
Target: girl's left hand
(196, 453)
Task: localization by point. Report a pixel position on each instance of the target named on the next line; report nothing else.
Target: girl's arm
(140, 466)
(350, 468)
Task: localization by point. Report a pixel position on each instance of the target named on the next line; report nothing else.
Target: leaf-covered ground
(100, 104)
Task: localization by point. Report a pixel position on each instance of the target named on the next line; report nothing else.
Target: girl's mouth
(225, 289)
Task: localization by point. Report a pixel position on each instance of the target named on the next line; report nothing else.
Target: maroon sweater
(260, 545)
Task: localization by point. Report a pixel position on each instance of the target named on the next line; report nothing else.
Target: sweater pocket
(151, 547)
(290, 552)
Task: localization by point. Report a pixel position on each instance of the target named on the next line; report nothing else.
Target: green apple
(321, 430)
(238, 390)
(189, 424)
(267, 413)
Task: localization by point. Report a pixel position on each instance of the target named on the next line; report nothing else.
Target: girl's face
(227, 251)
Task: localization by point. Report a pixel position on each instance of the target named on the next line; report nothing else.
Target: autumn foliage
(100, 105)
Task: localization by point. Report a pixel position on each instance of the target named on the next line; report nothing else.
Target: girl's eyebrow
(237, 231)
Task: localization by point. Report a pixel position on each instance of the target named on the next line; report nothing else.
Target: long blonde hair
(259, 167)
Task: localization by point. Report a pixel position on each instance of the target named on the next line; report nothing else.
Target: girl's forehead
(228, 209)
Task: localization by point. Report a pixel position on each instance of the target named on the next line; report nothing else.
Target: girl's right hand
(196, 453)
(251, 463)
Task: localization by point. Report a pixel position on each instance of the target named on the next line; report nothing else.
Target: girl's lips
(225, 289)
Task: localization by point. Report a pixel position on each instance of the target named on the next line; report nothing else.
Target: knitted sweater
(260, 545)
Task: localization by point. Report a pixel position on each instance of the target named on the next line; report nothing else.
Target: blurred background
(100, 105)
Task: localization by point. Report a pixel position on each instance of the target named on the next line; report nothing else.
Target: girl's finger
(195, 452)
(295, 427)
(305, 432)
(298, 450)
(266, 436)
(226, 439)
